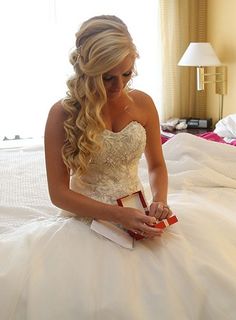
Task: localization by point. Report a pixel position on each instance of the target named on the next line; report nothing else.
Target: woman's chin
(114, 94)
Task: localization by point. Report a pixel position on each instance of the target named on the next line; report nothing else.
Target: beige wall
(221, 33)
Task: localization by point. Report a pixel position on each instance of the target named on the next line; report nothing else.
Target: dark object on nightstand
(199, 123)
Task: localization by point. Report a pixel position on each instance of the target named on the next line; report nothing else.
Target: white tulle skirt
(60, 269)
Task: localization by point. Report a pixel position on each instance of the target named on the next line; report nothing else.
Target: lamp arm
(220, 79)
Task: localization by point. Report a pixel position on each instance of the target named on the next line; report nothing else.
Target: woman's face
(116, 79)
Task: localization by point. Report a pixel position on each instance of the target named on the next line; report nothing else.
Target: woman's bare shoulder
(143, 101)
(57, 112)
(57, 108)
(141, 97)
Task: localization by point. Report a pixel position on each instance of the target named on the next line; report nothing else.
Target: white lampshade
(199, 54)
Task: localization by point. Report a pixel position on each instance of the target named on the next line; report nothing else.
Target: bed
(202, 193)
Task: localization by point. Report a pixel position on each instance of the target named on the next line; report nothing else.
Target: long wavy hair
(102, 43)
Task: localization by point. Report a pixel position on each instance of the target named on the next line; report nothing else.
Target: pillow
(226, 127)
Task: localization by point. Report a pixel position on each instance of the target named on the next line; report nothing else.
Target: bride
(58, 268)
(94, 138)
(100, 130)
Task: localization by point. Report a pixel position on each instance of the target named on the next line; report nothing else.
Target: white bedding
(226, 128)
(202, 193)
(24, 195)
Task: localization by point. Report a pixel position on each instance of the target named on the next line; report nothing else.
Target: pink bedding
(215, 137)
(208, 136)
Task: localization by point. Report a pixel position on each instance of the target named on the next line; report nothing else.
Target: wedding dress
(59, 269)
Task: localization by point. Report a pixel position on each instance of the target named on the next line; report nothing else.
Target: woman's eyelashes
(127, 74)
(107, 78)
(110, 77)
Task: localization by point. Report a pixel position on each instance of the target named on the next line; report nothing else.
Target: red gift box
(137, 200)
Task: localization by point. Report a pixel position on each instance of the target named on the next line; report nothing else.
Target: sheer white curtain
(36, 37)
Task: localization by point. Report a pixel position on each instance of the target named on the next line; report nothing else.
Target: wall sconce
(200, 55)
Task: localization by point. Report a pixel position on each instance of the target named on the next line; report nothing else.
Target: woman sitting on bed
(58, 268)
(94, 139)
(99, 131)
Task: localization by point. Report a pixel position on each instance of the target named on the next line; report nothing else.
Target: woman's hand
(160, 210)
(138, 222)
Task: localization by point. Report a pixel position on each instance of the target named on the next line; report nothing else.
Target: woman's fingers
(142, 224)
(145, 227)
(160, 210)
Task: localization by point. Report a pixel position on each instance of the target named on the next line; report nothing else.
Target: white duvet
(226, 128)
(202, 192)
(197, 259)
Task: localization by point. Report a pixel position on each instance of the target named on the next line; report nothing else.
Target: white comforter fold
(196, 162)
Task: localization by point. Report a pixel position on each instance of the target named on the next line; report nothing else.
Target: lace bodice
(114, 171)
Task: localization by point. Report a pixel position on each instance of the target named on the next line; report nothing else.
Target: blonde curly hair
(102, 43)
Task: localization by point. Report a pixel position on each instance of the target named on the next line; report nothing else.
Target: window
(36, 38)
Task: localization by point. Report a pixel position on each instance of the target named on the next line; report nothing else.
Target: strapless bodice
(113, 173)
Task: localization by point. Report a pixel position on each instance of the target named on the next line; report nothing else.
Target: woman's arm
(59, 183)
(158, 177)
(57, 174)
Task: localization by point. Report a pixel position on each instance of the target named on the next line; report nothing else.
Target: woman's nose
(118, 83)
